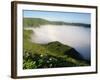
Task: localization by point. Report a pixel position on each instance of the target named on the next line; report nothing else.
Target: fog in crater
(77, 37)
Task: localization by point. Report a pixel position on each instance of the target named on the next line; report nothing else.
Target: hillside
(53, 54)
(36, 22)
(61, 49)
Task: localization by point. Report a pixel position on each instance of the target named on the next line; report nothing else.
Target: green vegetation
(53, 54)
(36, 22)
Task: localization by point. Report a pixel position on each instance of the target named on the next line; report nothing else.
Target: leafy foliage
(44, 61)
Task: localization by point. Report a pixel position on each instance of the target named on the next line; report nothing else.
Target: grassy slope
(54, 49)
(36, 22)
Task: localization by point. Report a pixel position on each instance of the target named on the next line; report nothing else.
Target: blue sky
(59, 16)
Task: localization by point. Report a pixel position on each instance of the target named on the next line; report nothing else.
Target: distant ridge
(36, 22)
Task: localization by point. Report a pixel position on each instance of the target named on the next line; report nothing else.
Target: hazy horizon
(71, 17)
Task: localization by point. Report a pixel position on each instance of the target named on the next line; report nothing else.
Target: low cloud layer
(76, 37)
